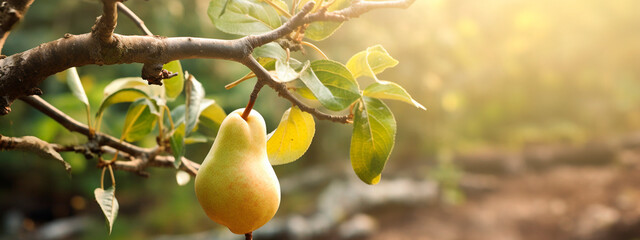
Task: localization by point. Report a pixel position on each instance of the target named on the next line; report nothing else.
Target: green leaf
(120, 96)
(243, 17)
(319, 31)
(334, 77)
(284, 72)
(211, 116)
(108, 203)
(140, 120)
(195, 139)
(73, 80)
(195, 94)
(270, 50)
(177, 144)
(292, 138)
(390, 90)
(374, 131)
(173, 86)
(134, 82)
(370, 62)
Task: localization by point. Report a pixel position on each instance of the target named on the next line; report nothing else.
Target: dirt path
(566, 202)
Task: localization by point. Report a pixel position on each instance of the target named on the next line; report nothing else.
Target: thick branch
(264, 76)
(11, 11)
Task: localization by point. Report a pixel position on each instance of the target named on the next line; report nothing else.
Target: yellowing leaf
(173, 86)
(390, 90)
(292, 138)
(370, 62)
(374, 131)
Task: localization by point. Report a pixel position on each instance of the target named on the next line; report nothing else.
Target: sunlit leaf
(108, 203)
(211, 116)
(390, 90)
(318, 31)
(243, 17)
(73, 80)
(292, 138)
(195, 94)
(334, 77)
(177, 144)
(120, 96)
(374, 131)
(270, 50)
(140, 120)
(133, 82)
(173, 86)
(182, 177)
(284, 72)
(370, 62)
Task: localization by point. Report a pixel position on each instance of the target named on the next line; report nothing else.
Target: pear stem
(252, 99)
(248, 236)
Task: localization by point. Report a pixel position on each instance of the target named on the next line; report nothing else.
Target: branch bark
(11, 12)
(35, 145)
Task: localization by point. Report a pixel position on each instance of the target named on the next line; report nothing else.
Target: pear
(236, 185)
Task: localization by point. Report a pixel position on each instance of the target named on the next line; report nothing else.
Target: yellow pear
(236, 186)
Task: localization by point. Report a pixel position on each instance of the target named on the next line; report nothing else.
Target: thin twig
(124, 9)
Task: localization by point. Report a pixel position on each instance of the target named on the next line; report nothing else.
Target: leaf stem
(314, 47)
(282, 11)
(113, 179)
(236, 82)
(252, 99)
(102, 178)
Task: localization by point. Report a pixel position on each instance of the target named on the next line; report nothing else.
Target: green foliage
(140, 120)
(243, 17)
(177, 144)
(374, 134)
(173, 86)
(370, 62)
(319, 31)
(334, 77)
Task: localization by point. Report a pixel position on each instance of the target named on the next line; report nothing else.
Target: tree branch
(11, 11)
(75, 126)
(140, 158)
(33, 144)
(357, 8)
(106, 24)
(263, 75)
(21, 73)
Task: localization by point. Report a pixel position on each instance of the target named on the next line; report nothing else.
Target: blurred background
(532, 130)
